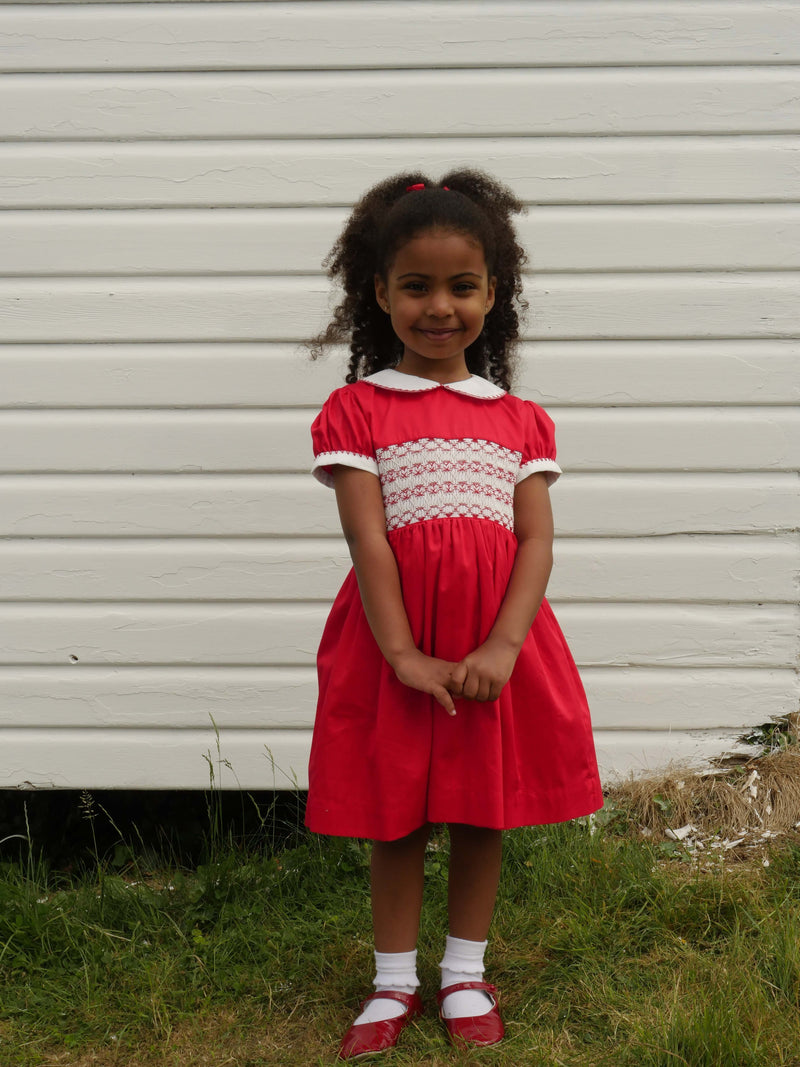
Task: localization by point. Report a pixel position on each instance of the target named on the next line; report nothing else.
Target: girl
(447, 693)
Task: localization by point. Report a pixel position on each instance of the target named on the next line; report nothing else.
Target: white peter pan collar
(474, 386)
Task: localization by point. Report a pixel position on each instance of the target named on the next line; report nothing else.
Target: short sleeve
(539, 447)
(341, 434)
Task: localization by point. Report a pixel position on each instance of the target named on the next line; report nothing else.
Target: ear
(381, 293)
(490, 294)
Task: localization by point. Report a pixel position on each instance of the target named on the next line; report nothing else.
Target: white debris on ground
(683, 832)
(740, 808)
(705, 846)
(694, 843)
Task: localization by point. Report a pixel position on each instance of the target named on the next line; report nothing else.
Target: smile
(440, 334)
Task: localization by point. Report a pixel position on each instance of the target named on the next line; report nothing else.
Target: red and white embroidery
(436, 477)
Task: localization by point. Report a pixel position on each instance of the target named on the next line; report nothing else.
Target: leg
(475, 855)
(397, 878)
(470, 1015)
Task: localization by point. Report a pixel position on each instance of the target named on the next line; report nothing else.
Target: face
(437, 292)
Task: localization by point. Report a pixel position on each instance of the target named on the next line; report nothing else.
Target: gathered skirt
(385, 758)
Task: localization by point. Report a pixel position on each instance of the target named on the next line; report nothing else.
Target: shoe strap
(485, 987)
(409, 999)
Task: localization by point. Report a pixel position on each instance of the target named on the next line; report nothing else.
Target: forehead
(440, 251)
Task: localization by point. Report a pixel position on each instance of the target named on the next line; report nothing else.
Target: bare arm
(482, 674)
(358, 496)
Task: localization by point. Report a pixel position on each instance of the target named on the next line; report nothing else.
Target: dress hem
(581, 811)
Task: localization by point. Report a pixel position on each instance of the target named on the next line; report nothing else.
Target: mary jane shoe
(485, 1029)
(365, 1039)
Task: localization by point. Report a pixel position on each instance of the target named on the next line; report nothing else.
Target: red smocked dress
(386, 758)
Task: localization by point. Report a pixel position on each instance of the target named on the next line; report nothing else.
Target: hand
(428, 675)
(482, 674)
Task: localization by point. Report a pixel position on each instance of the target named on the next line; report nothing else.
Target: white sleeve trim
(346, 459)
(549, 466)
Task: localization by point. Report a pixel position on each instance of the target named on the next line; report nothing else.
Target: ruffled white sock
(396, 971)
(463, 962)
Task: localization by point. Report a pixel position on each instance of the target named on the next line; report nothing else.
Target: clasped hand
(479, 676)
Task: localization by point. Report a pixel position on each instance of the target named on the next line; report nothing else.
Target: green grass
(605, 952)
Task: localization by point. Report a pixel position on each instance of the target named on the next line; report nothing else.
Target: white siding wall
(171, 176)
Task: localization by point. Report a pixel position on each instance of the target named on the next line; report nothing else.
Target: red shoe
(485, 1029)
(364, 1039)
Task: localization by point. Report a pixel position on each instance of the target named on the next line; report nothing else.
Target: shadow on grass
(72, 830)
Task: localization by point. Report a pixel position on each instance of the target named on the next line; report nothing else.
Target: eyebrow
(419, 274)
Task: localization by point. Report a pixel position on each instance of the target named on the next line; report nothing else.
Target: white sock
(463, 962)
(396, 971)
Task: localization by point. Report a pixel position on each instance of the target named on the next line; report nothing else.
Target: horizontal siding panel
(177, 698)
(272, 698)
(665, 439)
(175, 506)
(724, 569)
(585, 505)
(708, 237)
(684, 699)
(630, 373)
(598, 439)
(182, 36)
(250, 374)
(386, 103)
(229, 241)
(621, 753)
(740, 569)
(258, 759)
(306, 569)
(646, 306)
(288, 634)
(288, 173)
(243, 374)
(153, 759)
(673, 503)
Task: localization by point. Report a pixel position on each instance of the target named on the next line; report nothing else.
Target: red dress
(386, 758)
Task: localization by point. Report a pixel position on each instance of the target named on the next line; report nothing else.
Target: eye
(414, 287)
(464, 287)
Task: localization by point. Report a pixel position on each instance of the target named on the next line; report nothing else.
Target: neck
(443, 372)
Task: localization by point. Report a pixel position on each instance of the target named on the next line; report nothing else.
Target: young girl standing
(447, 693)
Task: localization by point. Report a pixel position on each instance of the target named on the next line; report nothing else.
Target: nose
(440, 304)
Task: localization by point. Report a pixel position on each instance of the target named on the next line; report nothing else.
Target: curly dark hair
(386, 218)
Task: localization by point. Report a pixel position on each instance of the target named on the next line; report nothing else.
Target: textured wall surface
(171, 175)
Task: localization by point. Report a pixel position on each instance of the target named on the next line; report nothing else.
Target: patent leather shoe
(485, 1029)
(365, 1039)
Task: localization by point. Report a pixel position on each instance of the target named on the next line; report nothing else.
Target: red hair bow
(420, 185)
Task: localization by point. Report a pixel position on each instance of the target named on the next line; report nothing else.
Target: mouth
(440, 333)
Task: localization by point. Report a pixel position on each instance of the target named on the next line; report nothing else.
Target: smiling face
(437, 292)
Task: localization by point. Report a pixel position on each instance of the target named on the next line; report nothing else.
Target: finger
(457, 678)
(471, 687)
(443, 697)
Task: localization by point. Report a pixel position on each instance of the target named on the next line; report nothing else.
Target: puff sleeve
(341, 434)
(539, 446)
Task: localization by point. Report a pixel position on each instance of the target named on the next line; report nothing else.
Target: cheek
(402, 311)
